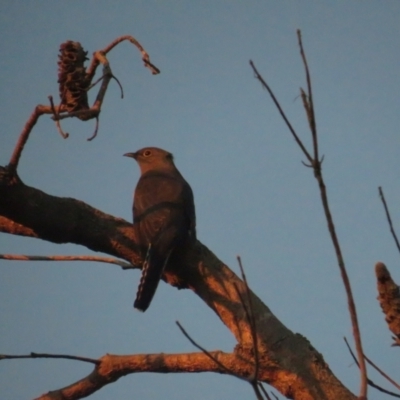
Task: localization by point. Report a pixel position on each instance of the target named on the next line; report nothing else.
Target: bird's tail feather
(152, 271)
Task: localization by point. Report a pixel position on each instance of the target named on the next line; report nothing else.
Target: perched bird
(163, 215)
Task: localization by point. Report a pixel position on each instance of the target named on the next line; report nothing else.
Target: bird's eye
(147, 153)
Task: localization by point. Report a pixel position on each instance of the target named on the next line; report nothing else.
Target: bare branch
(57, 121)
(108, 260)
(389, 219)
(145, 57)
(308, 99)
(384, 374)
(370, 382)
(317, 168)
(44, 355)
(207, 353)
(260, 385)
(310, 112)
(95, 130)
(252, 381)
(280, 109)
(30, 212)
(23, 138)
(251, 319)
(110, 368)
(81, 110)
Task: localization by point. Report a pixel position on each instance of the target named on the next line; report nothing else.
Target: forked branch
(316, 165)
(74, 83)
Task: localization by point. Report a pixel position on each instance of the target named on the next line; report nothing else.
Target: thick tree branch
(300, 372)
(113, 367)
(28, 211)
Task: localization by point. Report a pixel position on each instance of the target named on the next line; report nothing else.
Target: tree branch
(316, 165)
(112, 367)
(389, 219)
(107, 260)
(302, 371)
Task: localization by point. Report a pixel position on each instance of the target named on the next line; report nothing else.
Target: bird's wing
(161, 220)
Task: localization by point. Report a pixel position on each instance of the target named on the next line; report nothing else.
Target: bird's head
(152, 158)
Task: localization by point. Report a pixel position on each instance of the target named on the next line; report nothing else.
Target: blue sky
(253, 196)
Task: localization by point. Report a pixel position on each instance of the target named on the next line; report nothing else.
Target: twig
(251, 319)
(392, 381)
(370, 382)
(60, 112)
(309, 98)
(332, 230)
(101, 78)
(260, 385)
(280, 109)
(252, 379)
(317, 168)
(108, 260)
(389, 219)
(120, 86)
(44, 355)
(273, 394)
(207, 353)
(95, 130)
(56, 119)
(23, 138)
(145, 57)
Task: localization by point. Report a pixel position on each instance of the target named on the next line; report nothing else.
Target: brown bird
(163, 215)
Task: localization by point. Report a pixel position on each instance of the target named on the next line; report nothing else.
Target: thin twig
(260, 385)
(252, 379)
(384, 374)
(85, 114)
(251, 320)
(145, 57)
(95, 130)
(309, 97)
(108, 260)
(370, 382)
(280, 109)
(208, 354)
(389, 219)
(256, 390)
(101, 78)
(120, 86)
(44, 355)
(317, 167)
(331, 227)
(64, 135)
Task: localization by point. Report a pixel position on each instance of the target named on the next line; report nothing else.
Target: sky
(253, 196)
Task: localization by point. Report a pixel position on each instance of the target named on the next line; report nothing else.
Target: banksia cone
(72, 79)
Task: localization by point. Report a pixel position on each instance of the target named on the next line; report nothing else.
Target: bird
(164, 217)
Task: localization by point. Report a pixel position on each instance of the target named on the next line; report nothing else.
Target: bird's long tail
(152, 271)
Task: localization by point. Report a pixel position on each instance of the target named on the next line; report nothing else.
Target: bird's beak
(132, 155)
